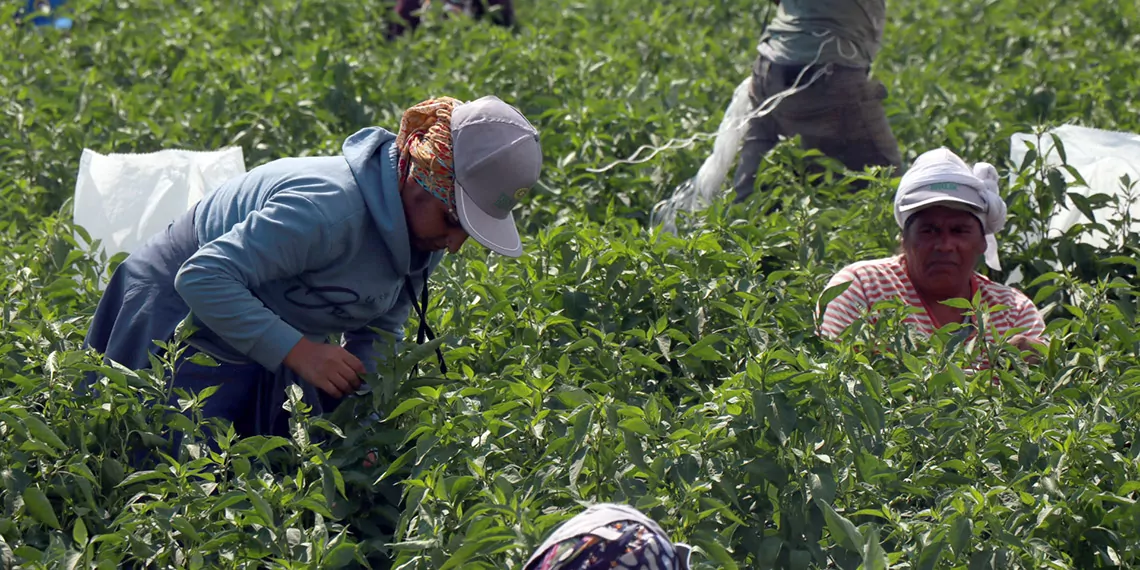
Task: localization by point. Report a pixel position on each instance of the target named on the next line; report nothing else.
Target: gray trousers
(841, 115)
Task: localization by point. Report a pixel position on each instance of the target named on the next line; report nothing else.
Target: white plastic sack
(701, 190)
(698, 192)
(123, 199)
(1101, 157)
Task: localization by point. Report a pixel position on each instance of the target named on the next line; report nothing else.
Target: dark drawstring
(424, 330)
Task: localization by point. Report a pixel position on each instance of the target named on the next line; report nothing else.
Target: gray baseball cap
(498, 159)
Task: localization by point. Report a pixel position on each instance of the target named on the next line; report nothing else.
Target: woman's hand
(326, 366)
(1033, 344)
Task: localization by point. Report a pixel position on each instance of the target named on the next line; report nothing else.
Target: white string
(839, 43)
(765, 108)
(760, 111)
(699, 191)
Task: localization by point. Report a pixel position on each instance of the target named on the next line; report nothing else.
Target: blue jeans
(237, 397)
(140, 305)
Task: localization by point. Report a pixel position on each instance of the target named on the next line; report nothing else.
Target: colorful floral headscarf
(638, 548)
(424, 141)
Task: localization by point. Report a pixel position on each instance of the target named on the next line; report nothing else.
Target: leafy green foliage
(679, 374)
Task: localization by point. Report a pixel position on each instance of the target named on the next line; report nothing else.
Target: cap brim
(916, 201)
(498, 235)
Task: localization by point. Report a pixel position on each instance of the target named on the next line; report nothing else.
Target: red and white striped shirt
(883, 279)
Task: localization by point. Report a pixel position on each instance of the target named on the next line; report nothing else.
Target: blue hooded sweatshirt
(312, 246)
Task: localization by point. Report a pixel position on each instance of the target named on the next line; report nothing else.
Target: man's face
(431, 227)
(942, 246)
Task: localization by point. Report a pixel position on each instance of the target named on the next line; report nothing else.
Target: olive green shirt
(849, 31)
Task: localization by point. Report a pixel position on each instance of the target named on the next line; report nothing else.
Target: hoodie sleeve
(285, 237)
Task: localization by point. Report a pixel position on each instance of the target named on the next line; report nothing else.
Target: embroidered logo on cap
(504, 202)
(944, 186)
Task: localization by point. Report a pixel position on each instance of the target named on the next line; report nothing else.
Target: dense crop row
(679, 374)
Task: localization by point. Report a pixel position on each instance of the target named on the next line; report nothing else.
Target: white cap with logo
(940, 177)
(498, 159)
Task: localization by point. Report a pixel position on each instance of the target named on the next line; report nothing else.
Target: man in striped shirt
(946, 210)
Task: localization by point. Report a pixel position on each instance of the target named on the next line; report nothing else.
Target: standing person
(45, 13)
(840, 114)
(502, 13)
(275, 261)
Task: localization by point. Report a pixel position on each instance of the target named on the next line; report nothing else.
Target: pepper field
(676, 373)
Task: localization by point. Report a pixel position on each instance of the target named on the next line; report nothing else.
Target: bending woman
(274, 262)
